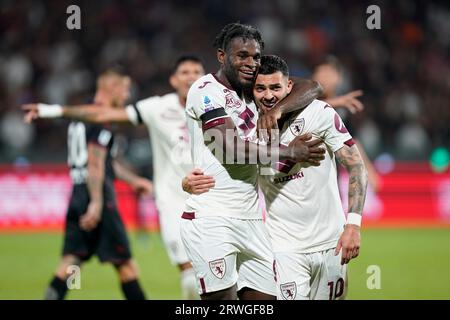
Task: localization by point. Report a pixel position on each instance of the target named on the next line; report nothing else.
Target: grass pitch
(413, 264)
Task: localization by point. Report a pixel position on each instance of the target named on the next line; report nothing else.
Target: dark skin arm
(227, 146)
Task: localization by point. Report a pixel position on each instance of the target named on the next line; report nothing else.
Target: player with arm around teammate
(311, 238)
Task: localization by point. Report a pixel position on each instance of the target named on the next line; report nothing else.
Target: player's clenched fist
(303, 149)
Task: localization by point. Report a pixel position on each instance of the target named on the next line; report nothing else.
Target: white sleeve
(132, 114)
(202, 100)
(143, 111)
(335, 133)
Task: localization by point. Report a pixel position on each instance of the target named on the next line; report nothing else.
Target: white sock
(189, 288)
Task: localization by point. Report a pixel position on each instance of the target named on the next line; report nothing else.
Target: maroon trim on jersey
(220, 81)
(327, 106)
(349, 142)
(188, 215)
(213, 123)
(202, 284)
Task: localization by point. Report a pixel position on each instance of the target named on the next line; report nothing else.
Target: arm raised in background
(350, 239)
(139, 184)
(87, 113)
(348, 101)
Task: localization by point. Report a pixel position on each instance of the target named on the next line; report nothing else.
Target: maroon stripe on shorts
(188, 215)
(202, 284)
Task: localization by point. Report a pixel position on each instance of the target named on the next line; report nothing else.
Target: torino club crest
(288, 290)
(297, 126)
(218, 267)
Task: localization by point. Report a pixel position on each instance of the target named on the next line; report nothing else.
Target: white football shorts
(227, 251)
(310, 276)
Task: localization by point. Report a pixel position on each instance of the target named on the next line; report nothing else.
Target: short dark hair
(334, 62)
(237, 30)
(115, 69)
(183, 58)
(271, 64)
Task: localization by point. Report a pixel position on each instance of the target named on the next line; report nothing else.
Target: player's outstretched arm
(350, 239)
(349, 101)
(87, 113)
(230, 148)
(303, 93)
(95, 178)
(139, 184)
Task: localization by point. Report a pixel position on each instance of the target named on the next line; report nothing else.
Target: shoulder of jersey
(169, 99)
(150, 101)
(205, 82)
(319, 104)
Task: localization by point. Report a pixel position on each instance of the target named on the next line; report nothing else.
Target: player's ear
(221, 56)
(173, 81)
(290, 84)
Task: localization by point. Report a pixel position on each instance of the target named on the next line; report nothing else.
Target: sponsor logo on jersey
(207, 104)
(289, 177)
(288, 290)
(297, 126)
(218, 267)
(339, 124)
(205, 83)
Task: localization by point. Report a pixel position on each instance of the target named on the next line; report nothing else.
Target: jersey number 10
(76, 142)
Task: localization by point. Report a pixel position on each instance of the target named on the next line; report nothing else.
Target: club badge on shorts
(218, 267)
(296, 126)
(288, 290)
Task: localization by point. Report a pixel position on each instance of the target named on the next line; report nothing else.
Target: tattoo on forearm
(351, 159)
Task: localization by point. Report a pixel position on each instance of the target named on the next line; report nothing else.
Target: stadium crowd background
(403, 68)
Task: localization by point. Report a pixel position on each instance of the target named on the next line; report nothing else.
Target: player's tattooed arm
(303, 93)
(351, 159)
(350, 240)
(96, 176)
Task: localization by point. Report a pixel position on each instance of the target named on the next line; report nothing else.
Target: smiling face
(240, 62)
(269, 89)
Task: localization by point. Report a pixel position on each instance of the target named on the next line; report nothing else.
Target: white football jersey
(304, 210)
(235, 192)
(165, 119)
